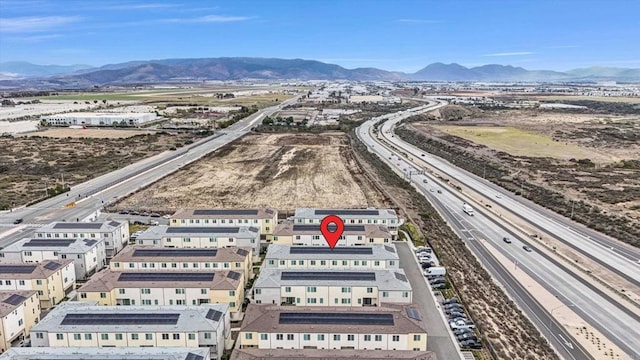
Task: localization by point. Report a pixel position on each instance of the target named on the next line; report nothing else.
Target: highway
(594, 306)
(89, 197)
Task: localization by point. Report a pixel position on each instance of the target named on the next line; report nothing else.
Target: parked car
(458, 319)
(526, 248)
(456, 315)
(438, 286)
(166, 216)
(134, 213)
(462, 324)
(450, 301)
(123, 212)
(426, 265)
(420, 249)
(452, 305)
(462, 331)
(156, 215)
(468, 336)
(424, 259)
(138, 222)
(144, 213)
(471, 344)
(437, 281)
(507, 240)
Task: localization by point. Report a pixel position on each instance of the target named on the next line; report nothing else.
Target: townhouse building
(320, 287)
(86, 324)
(373, 257)
(202, 237)
(19, 311)
(114, 233)
(264, 219)
(149, 258)
(120, 353)
(51, 279)
(386, 217)
(310, 235)
(161, 288)
(88, 255)
(383, 328)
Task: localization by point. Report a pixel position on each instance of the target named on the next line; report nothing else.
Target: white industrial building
(88, 255)
(86, 324)
(99, 119)
(114, 233)
(375, 257)
(319, 287)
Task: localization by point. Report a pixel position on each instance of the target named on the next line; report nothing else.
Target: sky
(398, 35)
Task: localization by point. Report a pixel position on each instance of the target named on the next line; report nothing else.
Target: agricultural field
(283, 171)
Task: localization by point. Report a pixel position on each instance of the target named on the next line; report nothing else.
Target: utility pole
(62, 175)
(573, 202)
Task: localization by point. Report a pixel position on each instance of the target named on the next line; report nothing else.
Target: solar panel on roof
(400, 276)
(69, 225)
(167, 252)
(90, 242)
(327, 250)
(127, 318)
(336, 318)
(17, 269)
(225, 212)
(414, 314)
(346, 212)
(166, 276)
(14, 299)
(332, 228)
(214, 315)
(192, 356)
(328, 275)
(234, 275)
(49, 242)
(201, 230)
(52, 265)
(389, 248)
(114, 223)
(242, 252)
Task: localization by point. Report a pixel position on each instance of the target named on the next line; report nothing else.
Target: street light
(556, 308)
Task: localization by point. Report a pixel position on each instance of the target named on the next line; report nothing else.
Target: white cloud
(514, 53)
(419, 21)
(208, 19)
(35, 23)
(33, 38)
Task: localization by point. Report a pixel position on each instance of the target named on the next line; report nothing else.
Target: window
(166, 336)
(346, 289)
(385, 294)
(279, 336)
(392, 262)
(336, 337)
(289, 336)
(87, 336)
(39, 336)
(378, 338)
(134, 337)
(346, 301)
(103, 295)
(364, 262)
(203, 291)
(367, 338)
(176, 336)
(264, 336)
(191, 336)
(311, 300)
(8, 282)
(59, 336)
(376, 263)
(323, 262)
(248, 336)
(27, 253)
(334, 262)
(258, 291)
(271, 262)
(226, 265)
(38, 282)
(144, 291)
(185, 265)
(146, 301)
(21, 282)
(144, 265)
(118, 336)
(356, 263)
(369, 290)
(405, 294)
(287, 289)
(179, 291)
(121, 291)
(320, 337)
(282, 262)
(83, 295)
(77, 337)
(311, 289)
(395, 338)
(148, 336)
(306, 337)
(104, 336)
(232, 293)
(312, 262)
(351, 337)
(293, 262)
(416, 337)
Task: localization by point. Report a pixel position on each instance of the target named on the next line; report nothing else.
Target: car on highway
(425, 181)
(526, 248)
(507, 240)
(431, 190)
(18, 221)
(498, 196)
(439, 191)
(471, 344)
(421, 154)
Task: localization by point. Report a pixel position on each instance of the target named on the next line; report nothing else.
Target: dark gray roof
(52, 265)
(214, 315)
(49, 242)
(114, 223)
(90, 242)
(70, 225)
(413, 313)
(346, 212)
(164, 252)
(242, 252)
(400, 277)
(120, 319)
(328, 250)
(331, 227)
(201, 230)
(336, 318)
(14, 299)
(234, 275)
(17, 269)
(192, 356)
(328, 275)
(225, 212)
(166, 276)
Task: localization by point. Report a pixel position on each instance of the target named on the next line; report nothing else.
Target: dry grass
(88, 133)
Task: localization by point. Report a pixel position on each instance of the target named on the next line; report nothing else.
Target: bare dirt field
(89, 133)
(284, 171)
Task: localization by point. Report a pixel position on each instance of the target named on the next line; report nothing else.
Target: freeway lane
(96, 193)
(612, 254)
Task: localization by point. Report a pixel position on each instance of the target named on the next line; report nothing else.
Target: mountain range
(16, 74)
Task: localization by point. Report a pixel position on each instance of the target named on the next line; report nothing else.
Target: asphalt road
(438, 334)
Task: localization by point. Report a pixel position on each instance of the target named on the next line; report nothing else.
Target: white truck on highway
(467, 209)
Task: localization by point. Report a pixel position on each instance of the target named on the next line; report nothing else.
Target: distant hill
(239, 68)
(23, 69)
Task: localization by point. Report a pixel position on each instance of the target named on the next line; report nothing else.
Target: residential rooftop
(164, 231)
(105, 353)
(12, 299)
(65, 246)
(328, 354)
(371, 252)
(310, 213)
(39, 270)
(61, 226)
(139, 253)
(262, 213)
(367, 230)
(384, 319)
(385, 280)
(88, 316)
(108, 280)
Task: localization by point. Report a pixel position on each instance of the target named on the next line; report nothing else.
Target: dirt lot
(284, 171)
(89, 133)
(31, 164)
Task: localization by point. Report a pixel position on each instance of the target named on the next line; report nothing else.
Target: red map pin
(332, 237)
